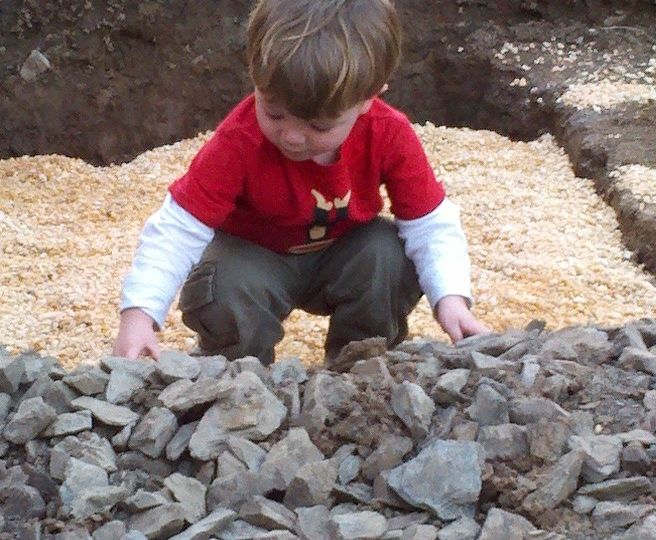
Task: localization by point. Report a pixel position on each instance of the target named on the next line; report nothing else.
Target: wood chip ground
(543, 245)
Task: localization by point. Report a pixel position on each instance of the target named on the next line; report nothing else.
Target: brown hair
(321, 57)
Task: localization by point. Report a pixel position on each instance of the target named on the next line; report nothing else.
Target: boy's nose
(293, 137)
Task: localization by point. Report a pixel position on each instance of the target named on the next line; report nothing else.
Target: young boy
(279, 209)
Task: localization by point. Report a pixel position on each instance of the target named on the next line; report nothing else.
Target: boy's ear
(366, 105)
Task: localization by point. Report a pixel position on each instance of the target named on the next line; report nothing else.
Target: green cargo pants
(239, 293)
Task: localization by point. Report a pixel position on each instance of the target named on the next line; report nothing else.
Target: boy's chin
(296, 156)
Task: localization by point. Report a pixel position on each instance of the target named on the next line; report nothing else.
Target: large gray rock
(97, 500)
(312, 484)
(588, 346)
(87, 380)
(249, 453)
(547, 439)
(490, 408)
(622, 489)
(184, 394)
(501, 524)
(122, 385)
(180, 441)
(413, 407)
(504, 441)
(602, 455)
(246, 409)
(87, 447)
(388, 454)
(288, 455)
(558, 484)
(153, 432)
(314, 522)
(208, 526)
(644, 530)
(107, 413)
(161, 522)
(530, 410)
(462, 529)
(235, 489)
(608, 516)
(444, 478)
(11, 373)
(145, 368)
(190, 493)
(79, 477)
(324, 397)
(31, 418)
(174, 365)
(69, 423)
(269, 514)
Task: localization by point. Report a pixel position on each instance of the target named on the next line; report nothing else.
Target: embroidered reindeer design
(322, 220)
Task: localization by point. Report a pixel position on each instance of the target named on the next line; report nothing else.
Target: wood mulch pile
(543, 245)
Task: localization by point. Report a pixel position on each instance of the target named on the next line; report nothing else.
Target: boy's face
(298, 139)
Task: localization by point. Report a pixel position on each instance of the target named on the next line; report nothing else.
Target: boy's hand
(136, 336)
(456, 320)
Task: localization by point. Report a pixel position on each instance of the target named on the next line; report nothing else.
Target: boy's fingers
(454, 332)
(154, 351)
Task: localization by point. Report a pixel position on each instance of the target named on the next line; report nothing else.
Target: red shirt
(240, 183)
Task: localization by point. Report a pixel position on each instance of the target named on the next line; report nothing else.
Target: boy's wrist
(136, 315)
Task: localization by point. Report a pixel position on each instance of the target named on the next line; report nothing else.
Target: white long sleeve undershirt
(173, 240)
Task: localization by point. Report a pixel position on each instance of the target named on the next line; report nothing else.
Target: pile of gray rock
(527, 434)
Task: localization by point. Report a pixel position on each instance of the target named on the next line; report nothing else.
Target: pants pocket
(198, 290)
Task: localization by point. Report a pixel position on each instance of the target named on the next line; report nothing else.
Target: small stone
(288, 368)
(112, 530)
(35, 64)
(420, 532)
(358, 525)
(464, 528)
(501, 524)
(583, 504)
(179, 442)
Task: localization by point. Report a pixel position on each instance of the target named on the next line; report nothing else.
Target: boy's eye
(321, 129)
(274, 116)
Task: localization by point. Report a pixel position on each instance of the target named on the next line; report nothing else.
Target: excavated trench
(124, 78)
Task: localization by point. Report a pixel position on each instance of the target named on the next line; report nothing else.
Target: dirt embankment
(128, 76)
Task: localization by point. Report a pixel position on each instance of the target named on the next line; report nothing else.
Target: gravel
(543, 244)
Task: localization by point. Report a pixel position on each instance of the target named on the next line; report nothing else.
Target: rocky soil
(528, 434)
